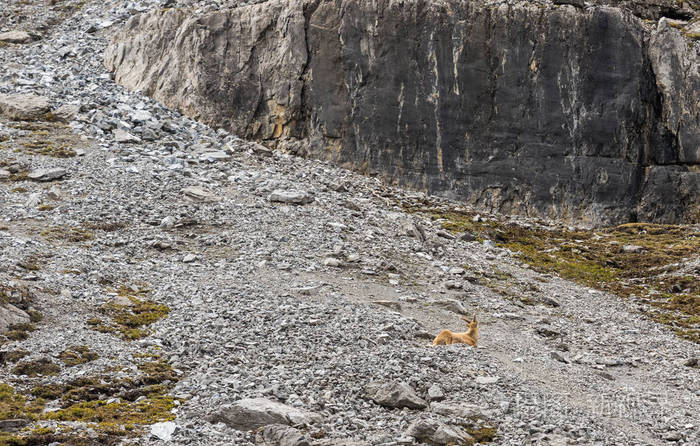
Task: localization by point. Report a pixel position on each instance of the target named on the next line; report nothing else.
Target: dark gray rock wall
(584, 115)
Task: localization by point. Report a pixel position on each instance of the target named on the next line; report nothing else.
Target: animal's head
(473, 323)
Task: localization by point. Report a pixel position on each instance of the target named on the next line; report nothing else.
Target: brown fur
(471, 337)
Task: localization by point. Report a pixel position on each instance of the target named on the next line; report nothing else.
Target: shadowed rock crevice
(586, 115)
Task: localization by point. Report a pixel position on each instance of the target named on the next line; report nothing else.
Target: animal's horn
(474, 319)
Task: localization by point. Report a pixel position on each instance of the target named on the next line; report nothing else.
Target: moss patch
(82, 233)
(107, 226)
(484, 434)
(21, 297)
(43, 366)
(43, 138)
(641, 260)
(31, 263)
(114, 408)
(14, 405)
(19, 332)
(46, 207)
(147, 411)
(129, 316)
(12, 356)
(16, 295)
(77, 354)
(72, 234)
(34, 316)
(117, 405)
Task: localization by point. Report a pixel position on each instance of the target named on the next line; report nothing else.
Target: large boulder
(23, 107)
(252, 413)
(431, 431)
(15, 37)
(587, 115)
(281, 435)
(394, 395)
(11, 315)
(55, 173)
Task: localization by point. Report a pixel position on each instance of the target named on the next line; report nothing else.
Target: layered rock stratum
(586, 114)
(163, 282)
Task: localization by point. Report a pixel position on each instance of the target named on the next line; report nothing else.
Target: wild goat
(470, 337)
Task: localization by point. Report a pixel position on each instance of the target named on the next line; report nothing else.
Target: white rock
(249, 414)
(15, 37)
(215, 156)
(4, 174)
(394, 394)
(141, 116)
(458, 410)
(66, 113)
(435, 393)
(331, 261)
(435, 432)
(196, 193)
(9, 315)
(290, 196)
(47, 174)
(164, 431)
(122, 300)
(487, 379)
(452, 305)
(125, 137)
(23, 106)
(167, 222)
(189, 258)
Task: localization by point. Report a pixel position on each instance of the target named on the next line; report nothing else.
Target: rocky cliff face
(582, 114)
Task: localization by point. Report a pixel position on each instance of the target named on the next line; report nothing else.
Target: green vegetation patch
(20, 297)
(17, 172)
(107, 226)
(12, 356)
(77, 354)
(642, 260)
(129, 314)
(18, 332)
(21, 175)
(114, 408)
(14, 405)
(46, 207)
(483, 434)
(44, 138)
(31, 263)
(40, 436)
(42, 366)
(147, 411)
(47, 148)
(72, 234)
(480, 428)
